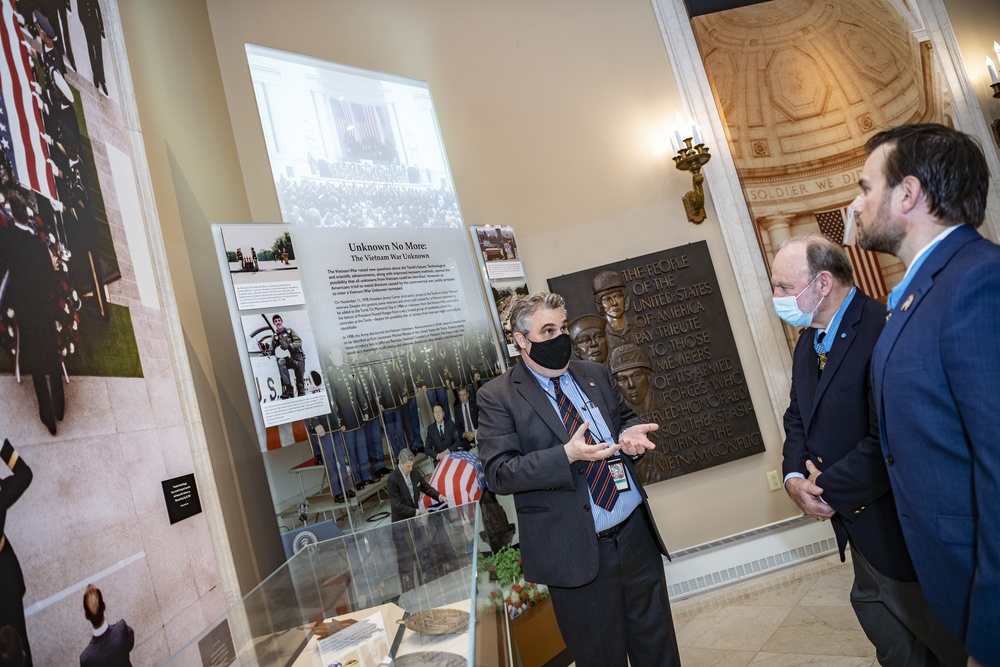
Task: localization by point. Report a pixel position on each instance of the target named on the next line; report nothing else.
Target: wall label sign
(181, 495)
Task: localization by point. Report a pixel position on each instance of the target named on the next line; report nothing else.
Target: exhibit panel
(406, 592)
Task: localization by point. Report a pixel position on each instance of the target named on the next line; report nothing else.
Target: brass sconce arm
(693, 158)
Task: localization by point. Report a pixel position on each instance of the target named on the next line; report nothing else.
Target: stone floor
(797, 617)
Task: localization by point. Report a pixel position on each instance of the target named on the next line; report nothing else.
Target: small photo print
(262, 266)
(285, 365)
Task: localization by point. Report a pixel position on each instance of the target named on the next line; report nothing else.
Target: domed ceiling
(801, 84)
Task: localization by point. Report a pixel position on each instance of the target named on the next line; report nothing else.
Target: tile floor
(797, 617)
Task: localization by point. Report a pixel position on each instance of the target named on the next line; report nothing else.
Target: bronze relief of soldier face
(633, 384)
(591, 345)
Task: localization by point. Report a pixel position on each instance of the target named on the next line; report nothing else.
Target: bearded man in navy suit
(935, 369)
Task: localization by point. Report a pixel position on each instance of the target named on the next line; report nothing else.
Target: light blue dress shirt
(627, 500)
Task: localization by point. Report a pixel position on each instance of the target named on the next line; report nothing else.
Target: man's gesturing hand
(577, 448)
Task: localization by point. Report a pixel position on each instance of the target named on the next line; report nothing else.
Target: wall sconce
(995, 85)
(991, 68)
(691, 155)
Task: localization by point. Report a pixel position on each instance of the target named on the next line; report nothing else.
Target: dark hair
(822, 254)
(277, 317)
(18, 207)
(11, 647)
(93, 605)
(949, 164)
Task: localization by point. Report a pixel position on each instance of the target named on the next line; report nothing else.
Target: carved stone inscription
(660, 325)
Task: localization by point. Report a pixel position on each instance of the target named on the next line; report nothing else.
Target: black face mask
(553, 354)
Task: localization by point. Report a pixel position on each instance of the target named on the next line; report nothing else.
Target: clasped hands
(633, 441)
(806, 494)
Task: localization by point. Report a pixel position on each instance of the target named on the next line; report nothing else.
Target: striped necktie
(602, 486)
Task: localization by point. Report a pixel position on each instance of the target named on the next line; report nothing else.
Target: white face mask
(787, 308)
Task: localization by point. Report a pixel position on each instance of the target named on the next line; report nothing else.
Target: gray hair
(822, 254)
(404, 456)
(525, 309)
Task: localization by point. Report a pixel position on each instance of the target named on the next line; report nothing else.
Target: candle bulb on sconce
(691, 154)
(991, 68)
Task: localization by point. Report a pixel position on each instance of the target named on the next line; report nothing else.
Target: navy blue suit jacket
(936, 379)
(831, 420)
(111, 649)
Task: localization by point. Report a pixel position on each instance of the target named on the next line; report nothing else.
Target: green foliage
(504, 566)
(282, 243)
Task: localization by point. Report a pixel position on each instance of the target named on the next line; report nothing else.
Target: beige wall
(548, 111)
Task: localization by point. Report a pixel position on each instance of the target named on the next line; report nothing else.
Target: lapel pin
(592, 384)
(843, 335)
(906, 304)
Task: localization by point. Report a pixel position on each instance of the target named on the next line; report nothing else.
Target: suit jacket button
(888, 460)
(819, 458)
(586, 508)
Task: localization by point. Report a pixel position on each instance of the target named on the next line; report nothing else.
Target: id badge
(617, 468)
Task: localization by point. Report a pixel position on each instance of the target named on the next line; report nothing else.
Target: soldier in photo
(287, 340)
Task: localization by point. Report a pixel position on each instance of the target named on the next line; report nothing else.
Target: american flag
(286, 434)
(459, 476)
(867, 271)
(20, 110)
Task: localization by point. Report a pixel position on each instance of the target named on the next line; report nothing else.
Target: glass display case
(400, 594)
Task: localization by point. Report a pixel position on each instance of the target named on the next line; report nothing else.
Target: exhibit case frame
(416, 579)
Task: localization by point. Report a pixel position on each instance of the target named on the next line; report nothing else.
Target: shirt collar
(831, 328)
(923, 251)
(545, 382)
(101, 630)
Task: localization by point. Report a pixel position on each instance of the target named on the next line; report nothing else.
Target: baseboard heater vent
(706, 566)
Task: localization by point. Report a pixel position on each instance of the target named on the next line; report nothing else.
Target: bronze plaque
(667, 340)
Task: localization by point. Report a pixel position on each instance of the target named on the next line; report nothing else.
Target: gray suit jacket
(520, 442)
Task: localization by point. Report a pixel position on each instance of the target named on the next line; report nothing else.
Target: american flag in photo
(867, 271)
(459, 476)
(283, 435)
(20, 110)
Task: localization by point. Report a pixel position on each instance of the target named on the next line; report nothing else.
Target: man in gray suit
(558, 436)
